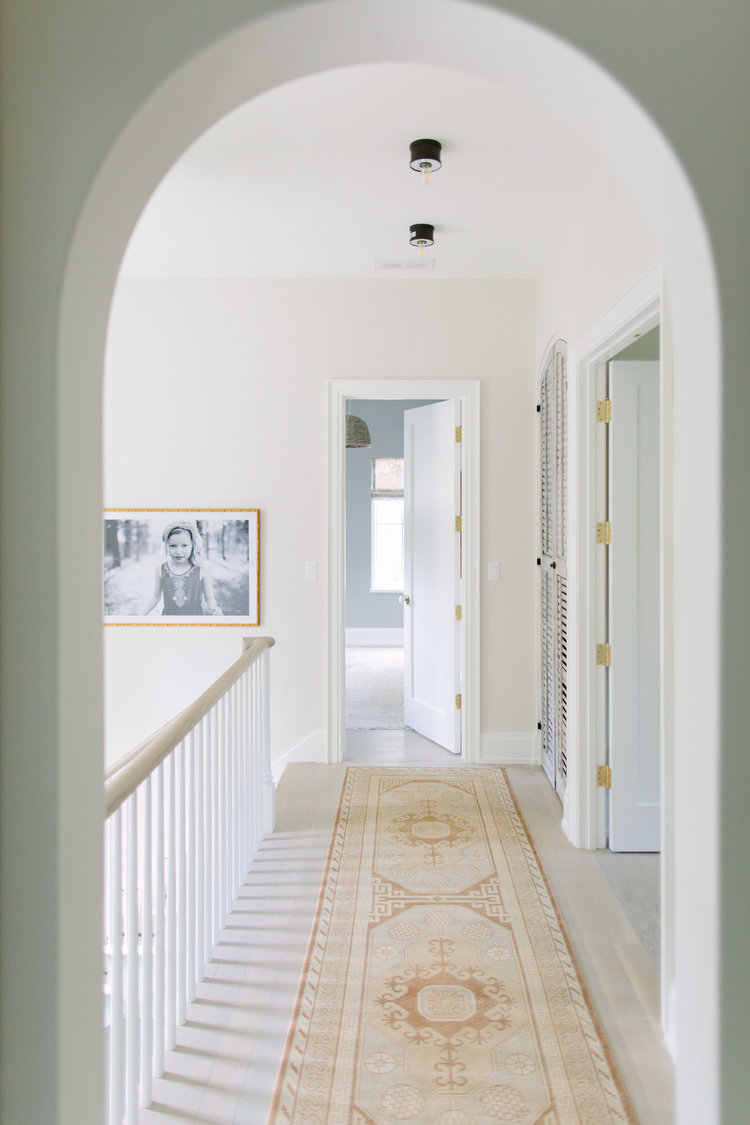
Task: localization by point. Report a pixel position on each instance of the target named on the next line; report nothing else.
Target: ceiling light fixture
(425, 157)
(357, 433)
(421, 235)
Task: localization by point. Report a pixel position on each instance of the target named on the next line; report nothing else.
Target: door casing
(467, 391)
(639, 310)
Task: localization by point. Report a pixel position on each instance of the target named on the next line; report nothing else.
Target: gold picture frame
(182, 566)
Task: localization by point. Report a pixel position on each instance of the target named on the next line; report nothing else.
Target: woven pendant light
(357, 433)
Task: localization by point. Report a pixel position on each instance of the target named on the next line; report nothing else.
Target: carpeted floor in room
(374, 678)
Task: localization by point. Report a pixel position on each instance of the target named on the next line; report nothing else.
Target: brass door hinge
(604, 655)
(459, 433)
(604, 532)
(604, 410)
(458, 702)
(458, 613)
(604, 777)
(458, 523)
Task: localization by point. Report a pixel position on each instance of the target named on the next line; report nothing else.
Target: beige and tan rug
(439, 988)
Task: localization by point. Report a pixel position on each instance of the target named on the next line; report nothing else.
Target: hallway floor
(224, 1067)
(374, 678)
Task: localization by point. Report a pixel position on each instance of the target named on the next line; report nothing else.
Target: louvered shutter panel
(546, 592)
(548, 674)
(547, 460)
(561, 675)
(553, 593)
(561, 452)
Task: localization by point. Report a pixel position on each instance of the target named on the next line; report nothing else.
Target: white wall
(605, 248)
(216, 396)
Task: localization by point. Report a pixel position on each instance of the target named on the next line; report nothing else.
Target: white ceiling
(312, 180)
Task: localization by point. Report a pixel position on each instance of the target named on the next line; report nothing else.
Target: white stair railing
(186, 811)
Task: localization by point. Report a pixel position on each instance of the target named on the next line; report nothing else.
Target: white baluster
(258, 754)
(250, 758)
(217, 809)
(269, 813)
(226, 827)
(160, 929)
(243, 767)
(132, 1054)
(170, 1026)
(147, 978)
(190, 906)
(208, 796)
(232, 826)
(252, 725)
(200, 848)
(181, 887)
(237, 871)
(116, 1028)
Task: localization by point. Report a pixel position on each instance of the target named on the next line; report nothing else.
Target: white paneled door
(432, 546)
(634, 607)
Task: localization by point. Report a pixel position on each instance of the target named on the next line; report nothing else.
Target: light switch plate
(493, 571)
(311, 570)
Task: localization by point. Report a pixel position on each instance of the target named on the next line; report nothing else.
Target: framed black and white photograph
(182, 567)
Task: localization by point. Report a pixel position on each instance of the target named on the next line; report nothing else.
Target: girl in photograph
(184, 580)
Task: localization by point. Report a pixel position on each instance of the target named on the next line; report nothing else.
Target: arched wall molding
(487, 43)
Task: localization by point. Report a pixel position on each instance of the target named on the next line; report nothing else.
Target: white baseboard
(314, 748)
(510, 748)
(565, 822)
(362, 638)
(669, 1024)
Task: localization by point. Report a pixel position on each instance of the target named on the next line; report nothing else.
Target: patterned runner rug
(439, 988)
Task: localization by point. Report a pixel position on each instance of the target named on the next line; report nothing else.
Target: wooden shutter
(561, 684)
(553, 594)
(561, 452)
(548, 672)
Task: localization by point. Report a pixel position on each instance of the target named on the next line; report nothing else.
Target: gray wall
(385, 419)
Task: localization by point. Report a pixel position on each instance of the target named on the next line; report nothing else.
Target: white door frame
(467, 391)
(639, 310)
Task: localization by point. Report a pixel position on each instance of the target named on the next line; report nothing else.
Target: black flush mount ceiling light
(425, 156)
(421, 235)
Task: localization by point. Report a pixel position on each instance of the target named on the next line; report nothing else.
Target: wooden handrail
(124, 777)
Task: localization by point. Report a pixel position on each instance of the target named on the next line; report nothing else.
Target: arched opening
(485, 43)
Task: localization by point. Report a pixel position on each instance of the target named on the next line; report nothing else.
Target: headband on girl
(184, 525)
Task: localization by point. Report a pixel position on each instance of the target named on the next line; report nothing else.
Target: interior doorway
(629, 333)
(374, 595)
(633, 601)
(363, 616)
(403, 569)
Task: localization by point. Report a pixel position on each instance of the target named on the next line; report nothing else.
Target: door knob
(404, 599)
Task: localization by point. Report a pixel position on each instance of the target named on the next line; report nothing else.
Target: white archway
(492, 45)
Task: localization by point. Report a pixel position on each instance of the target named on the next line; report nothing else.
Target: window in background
(387, 573)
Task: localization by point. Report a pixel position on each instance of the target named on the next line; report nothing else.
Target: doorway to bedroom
(381, 496)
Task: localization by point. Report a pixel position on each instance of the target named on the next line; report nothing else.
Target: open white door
(634, 607)
(432, 573)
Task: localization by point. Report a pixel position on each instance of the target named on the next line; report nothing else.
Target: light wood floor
(224, 1068)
